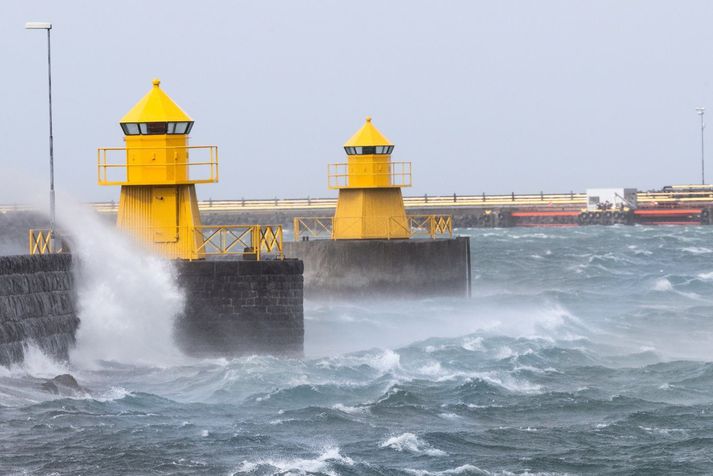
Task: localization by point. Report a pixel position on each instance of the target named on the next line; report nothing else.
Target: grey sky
(490, 96)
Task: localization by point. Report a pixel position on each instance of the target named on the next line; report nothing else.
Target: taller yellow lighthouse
(158, 202)
(370, 204)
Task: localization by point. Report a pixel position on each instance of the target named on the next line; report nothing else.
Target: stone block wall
(37, 305)
(241, 307)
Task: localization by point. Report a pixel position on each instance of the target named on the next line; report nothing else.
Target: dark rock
(65, 385)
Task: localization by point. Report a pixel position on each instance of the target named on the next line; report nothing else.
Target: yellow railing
(43, 242)
(249, 241)
(433, 226)
(346, 175)
(177, 164)
(246, 240)
(312, 227)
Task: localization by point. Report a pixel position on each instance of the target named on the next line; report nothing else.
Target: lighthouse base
(384, 268)
(241, 307)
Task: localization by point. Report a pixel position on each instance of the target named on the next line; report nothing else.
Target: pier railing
(248, 241)
(254, 241)
(432, 226)
(561, 200)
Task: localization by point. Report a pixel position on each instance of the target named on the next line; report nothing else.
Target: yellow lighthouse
(158, 201)
(370, 204)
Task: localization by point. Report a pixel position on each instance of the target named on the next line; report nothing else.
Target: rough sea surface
(582, 351)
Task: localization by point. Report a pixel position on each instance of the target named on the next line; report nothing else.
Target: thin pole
(701, 111)
(49, 77)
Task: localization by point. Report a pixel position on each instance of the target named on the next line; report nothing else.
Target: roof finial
(156, 82)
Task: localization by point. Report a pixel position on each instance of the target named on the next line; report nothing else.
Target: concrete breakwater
(236, 307)
(384, 268)
(232, 307)
(37, 306)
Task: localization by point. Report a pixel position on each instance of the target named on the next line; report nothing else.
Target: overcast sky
(482, 96)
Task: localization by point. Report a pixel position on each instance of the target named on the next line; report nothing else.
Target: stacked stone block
(37, 306)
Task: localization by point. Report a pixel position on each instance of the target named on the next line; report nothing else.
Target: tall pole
(49, 78)
(34, 25)
(701, 112)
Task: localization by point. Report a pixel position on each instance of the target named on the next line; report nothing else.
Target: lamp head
(38, 25)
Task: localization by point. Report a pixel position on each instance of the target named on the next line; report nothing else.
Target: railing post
(257, 242)
(296, 228)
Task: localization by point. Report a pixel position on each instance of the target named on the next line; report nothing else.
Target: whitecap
(464, 469)
(113, 394)
(349, 409)
(662, 284)
(473, 344)
(431, 369)
(449, 416)
(410, 443)
(321, 464)
(697, 250)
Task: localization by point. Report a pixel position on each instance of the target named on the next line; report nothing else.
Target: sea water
(582, 351)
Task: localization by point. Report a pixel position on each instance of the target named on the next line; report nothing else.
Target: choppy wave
(582, 351)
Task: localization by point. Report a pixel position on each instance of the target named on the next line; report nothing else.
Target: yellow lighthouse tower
(370, 204)
(158, 201)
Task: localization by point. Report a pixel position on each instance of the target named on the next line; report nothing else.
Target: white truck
(611, 199)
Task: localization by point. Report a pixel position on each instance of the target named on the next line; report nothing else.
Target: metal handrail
(416, 225)
(339, 175)
(210, 240)
(104, 166)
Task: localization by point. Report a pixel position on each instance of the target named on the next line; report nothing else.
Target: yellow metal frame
(253, 241)
(312, 227)
(43, 242)
(433, 226)
(104, 165)
(245, 240)
(398, 175)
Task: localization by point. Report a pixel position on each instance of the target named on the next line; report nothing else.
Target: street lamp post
(701, 111)
(48, 27)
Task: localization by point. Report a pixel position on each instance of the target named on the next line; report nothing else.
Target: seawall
(37, 305)
(241, 307)
(385, 268)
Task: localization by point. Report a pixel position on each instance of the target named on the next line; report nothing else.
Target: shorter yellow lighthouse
(158, 201)
(370, 204)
